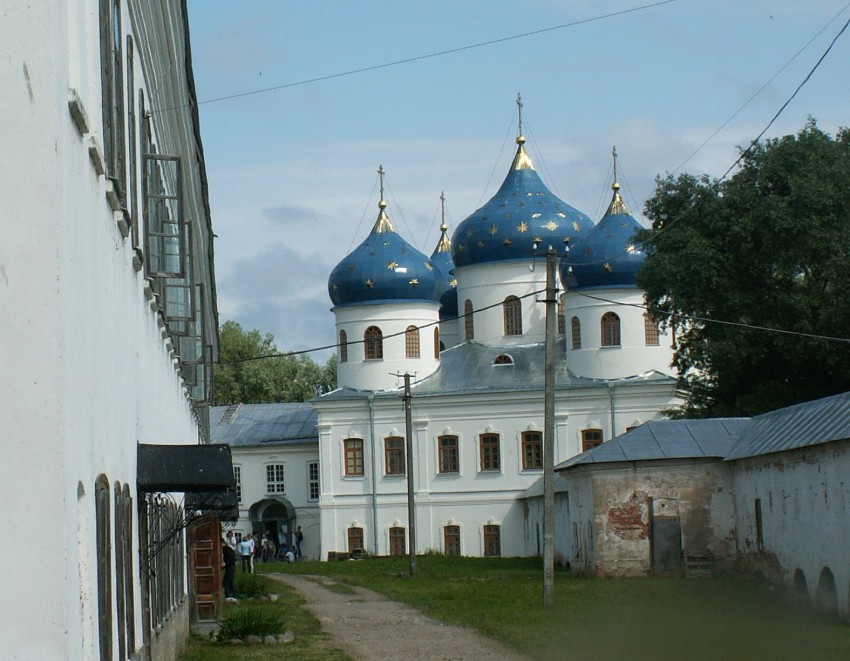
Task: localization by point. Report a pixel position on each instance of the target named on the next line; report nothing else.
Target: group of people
(249, 548)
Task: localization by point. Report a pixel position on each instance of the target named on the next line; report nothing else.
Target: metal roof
(561, 485)
(798, 426)
(246, 425)
(667, 439)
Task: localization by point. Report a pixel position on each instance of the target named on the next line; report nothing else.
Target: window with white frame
(313, 480)
(274, 478)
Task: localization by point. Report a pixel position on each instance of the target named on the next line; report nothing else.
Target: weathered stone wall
(698, 492)
(803, 496)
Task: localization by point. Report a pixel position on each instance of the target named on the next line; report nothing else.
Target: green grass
(311, 643)
(716, 618)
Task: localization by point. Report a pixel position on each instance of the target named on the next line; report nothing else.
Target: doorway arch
(276, 516)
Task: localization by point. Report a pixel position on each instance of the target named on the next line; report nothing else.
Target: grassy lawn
(311, 643)
(717, 618)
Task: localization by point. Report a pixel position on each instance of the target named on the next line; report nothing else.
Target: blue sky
(292, 171)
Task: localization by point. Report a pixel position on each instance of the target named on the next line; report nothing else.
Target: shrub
(250, 620)
(252, 585)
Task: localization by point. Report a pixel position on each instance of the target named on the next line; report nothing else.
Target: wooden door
(205, 568)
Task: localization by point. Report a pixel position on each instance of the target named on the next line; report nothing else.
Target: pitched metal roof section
(469, 367)
(667, 439)
(561, 485)
(802, 425)
(264, 424)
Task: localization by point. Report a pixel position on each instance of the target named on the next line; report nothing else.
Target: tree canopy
(769, 247)
(278, 378)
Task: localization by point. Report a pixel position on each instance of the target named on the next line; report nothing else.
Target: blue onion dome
(442, 258)
(608, 256)
(384, 269)
(523, 209)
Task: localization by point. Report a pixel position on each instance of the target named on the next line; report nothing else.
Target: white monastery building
(468, 325)
(109, 332)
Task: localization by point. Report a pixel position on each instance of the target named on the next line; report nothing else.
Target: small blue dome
(608, 256)
(523, 209)
(442, 258)
(384, 269)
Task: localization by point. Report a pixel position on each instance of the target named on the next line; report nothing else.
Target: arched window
(411, 342)
(397, 541)
(532, 450)
(650, 330)
(437, 344)
(343, 346)
(503, 359)
(590, 438)
(562, 322)
(492, 541)
(374, 342)
(610, 330)
(468, 326)
(103, 554)
(451, 540)
(513, 316)
(575, 328)
(355, 539)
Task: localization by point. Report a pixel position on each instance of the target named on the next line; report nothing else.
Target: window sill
(447, 474)
(611, 346)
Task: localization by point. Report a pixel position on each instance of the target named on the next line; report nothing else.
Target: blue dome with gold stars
(521, 211)
(442, 258)
(608, 256)
(384, 269)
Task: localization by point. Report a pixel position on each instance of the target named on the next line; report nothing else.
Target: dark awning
(186, 468)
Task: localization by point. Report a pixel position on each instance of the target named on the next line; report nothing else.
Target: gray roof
(667, 439)
(561, 485)
(469, 367)
(798, 426)
(246, 425)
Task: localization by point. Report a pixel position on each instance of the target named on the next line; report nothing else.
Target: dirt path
(372, 628)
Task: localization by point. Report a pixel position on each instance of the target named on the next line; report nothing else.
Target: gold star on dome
(429, 266)
(630, 249)
(607, 266)
(461, 247)
(537, 239)
(551, 226)
(508, 216)
(576, 226)
(561, 214)
(535, 215)
(480, 244)
(453, 282)
(369, 283)
(413, 282)
(470, 233)
(522, 227)
(587, 250)
(507, 243)
(349, 268)
(494, 229)
(392, 266)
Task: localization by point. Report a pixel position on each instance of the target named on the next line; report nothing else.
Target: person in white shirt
(246, 552)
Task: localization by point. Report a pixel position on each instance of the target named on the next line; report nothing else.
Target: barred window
(397, 541)
(562, 322)
(374, 343)
(513, 316)
(610, 330)
(103, 553)
(355, 539)
(650, 330)
(411, 342)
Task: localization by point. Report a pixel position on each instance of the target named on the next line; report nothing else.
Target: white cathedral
(468, 325)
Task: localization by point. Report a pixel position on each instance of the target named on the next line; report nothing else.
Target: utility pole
(549, 429)
(411, 508)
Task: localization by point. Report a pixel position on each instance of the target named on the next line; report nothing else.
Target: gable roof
(798, 426)
(246, 425)
(667, 439)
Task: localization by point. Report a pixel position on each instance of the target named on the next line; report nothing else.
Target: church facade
(467, 324)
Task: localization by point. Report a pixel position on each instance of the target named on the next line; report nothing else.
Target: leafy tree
(277, 378)
(769, 247)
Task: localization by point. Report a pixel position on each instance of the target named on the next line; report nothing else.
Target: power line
(428, 56)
